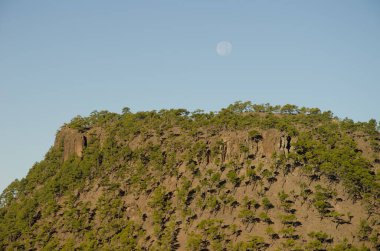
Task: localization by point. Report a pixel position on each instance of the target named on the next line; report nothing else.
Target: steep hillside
(249, 177)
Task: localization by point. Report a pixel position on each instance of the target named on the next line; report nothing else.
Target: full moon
(223, 48)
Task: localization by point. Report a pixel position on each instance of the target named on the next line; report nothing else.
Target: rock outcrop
(72, 141)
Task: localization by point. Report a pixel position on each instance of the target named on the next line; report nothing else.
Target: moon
(224, 48)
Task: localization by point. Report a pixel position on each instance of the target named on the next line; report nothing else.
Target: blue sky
(63, 58)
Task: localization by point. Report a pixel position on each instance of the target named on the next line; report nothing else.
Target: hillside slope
(249, 177)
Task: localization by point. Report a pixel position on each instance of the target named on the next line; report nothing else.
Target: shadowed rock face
(72, 141)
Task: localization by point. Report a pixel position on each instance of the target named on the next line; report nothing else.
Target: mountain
(249, 177)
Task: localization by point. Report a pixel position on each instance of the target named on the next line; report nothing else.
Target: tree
(320, 237)
(240, 107)
(255, 135)
(233, 177)
(289, 109)
(128, 237)
(79, 123)
(320, 200)
(265, 218)
(256, 243)
(9, 193)
(267, 204)
(194, 242)
(365, 230)
(248, 217)
(126, 110)
(161, 204)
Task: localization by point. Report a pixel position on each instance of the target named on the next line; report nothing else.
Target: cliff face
(169, 181)
(72, 141)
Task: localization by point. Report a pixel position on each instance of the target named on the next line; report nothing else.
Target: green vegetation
(238, 179)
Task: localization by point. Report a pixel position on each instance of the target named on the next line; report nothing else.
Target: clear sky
(59, 59)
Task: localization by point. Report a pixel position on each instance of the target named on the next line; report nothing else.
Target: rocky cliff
(72, 141)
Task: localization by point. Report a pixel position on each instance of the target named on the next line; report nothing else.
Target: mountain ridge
(250, 177)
